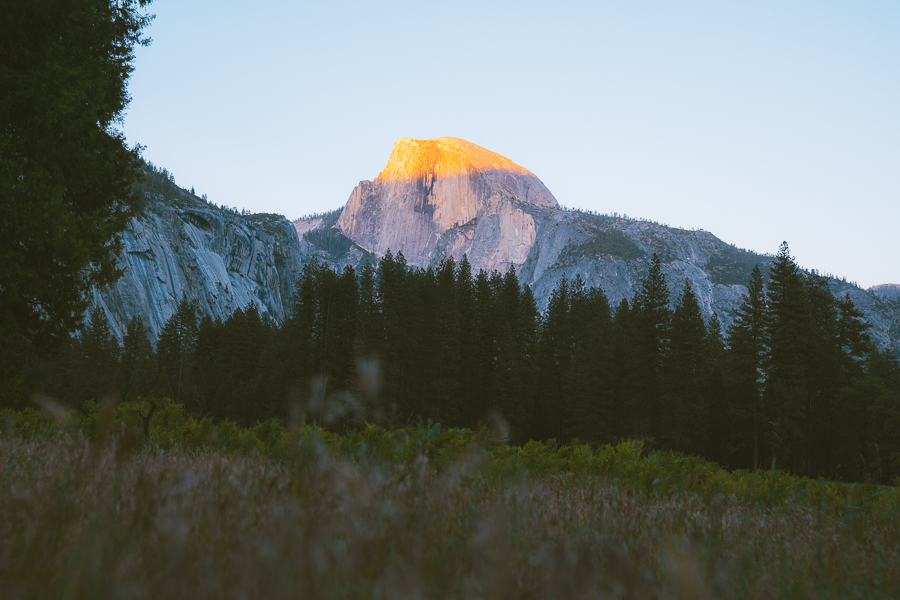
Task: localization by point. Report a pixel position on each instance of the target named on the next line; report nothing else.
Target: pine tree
(66, 178)
(715, 393)
(176, 347)
(686, 374)
(207, 369)
(137, 368)
(652, 324)
(468, 359)
(97, 360)
(484, 345)
(852, 339)
(513, 378)
(554, 364)
(748, 359)
(392, 277)
(345, 310)
(591, 406)
(786, 388)
(625, 384)
(522, 417)
(369, 315)
(822, 370)
(445, 386)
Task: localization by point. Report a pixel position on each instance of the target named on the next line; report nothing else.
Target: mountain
(434, 198)
(449, 197)
(180, 244)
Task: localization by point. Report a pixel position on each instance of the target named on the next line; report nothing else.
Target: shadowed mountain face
(447, 196)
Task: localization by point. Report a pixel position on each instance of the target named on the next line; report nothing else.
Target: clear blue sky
(757, 121)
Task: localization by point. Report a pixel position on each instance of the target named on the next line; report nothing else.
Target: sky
(760, 122)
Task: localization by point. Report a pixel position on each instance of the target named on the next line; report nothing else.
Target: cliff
(450, 194)
(219, 259)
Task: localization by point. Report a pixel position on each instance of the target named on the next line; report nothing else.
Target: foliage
(396, 346)
(601, 239)
(730, 265)
(66, 171)
(330, 240)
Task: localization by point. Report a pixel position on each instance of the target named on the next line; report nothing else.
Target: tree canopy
(66, 173)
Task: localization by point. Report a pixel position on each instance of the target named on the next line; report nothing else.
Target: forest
(793, 384)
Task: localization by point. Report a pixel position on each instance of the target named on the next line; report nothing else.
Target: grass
(216, 511)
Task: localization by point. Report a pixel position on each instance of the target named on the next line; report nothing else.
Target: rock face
(450, 196)
(215, 257)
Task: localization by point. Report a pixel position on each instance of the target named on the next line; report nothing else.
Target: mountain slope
(448, 197)
(180, 245)
(476, 203)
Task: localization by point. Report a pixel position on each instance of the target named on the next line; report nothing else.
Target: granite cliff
(181, 245)
(449, 197)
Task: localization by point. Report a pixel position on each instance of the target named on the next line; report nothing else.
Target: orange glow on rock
(443, 157)
(450, 193)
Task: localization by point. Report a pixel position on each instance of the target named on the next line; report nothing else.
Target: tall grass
(216, 511)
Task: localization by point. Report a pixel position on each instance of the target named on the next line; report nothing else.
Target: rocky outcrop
(219, 259)
(447, 196)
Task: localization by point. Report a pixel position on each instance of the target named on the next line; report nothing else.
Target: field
(90, 510)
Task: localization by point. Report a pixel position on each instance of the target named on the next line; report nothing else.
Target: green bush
(627, 466)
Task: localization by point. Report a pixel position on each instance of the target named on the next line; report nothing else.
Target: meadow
(91, 509)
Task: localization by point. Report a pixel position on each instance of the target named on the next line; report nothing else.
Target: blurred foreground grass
(88, 509)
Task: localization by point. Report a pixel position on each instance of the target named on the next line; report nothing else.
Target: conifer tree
(652, 323)
(555, 359)
(624, 378)
(748, 359)
(137, 368)
(392, 277)
(369, 316)
(591, 406)
(206, 368)
(822, 370)
(446, 359)
(345, 308)
(788, 328)
(852, 339)
(176, 347)
(522, 416)
(468, 359)
(97, 360)
(686, 374)
(484, 345)
(716, 394)
(513, 377)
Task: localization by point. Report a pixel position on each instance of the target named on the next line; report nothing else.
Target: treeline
(795, 383)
